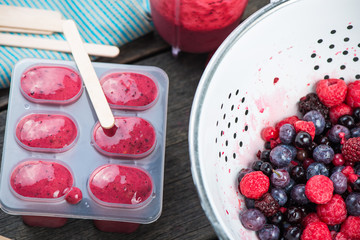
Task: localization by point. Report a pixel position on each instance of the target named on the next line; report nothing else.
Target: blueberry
(355, 132)
(356, 114)
(323, 153)
(290, 185)
(356, 185)
(337, 169)
(292, 149)
(347, 121)
(294, 214)
(336, 130)
(256, 165)
(357, 169)
(303, 140)
(322, 140)
(318, 119)
(277, 218)
(265, 155)
(269, 232)
(298, 194)
(316, 168)
(353, 204)
(292, 233)
(266, 168)
(298, 174)
(281, 156)
(249, 203)
(252, 219)
(279, 195)
(280, 178)
(340, 182)
(287, 133)
(335, 228)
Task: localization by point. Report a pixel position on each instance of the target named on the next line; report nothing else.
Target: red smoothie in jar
(51, 84)
(131, 137)
(129, 90)
(46, 132)
(196, 25)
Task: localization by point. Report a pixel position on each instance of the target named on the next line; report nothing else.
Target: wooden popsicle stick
(30, 18)
(88, 74)
(56, 45)
(21, 30)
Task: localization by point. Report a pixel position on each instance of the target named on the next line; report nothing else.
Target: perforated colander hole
(229, 138)
(342, 45)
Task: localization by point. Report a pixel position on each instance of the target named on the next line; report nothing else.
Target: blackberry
(312, 102)
(267, 205)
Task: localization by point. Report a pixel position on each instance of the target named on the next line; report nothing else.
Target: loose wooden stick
(30, 18)
(56, 45)
(88, 75)
(21, 30)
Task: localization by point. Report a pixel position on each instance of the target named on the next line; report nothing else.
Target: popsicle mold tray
(55, 150)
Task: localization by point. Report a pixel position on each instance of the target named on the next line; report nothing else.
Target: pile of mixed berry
(305, 183)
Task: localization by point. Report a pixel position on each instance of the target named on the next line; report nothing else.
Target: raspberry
(341, 236)
(319, 189)
(305, 126)
(290, 120)
(334, 212)
(351, 149)
(254, 185)
(316, 231)
(331, 92)
(267, 205)
(310, 218)
(340, 110)
(352, 177)
(353, 95)
(312, 102)
(347, 171)
(269, 133)
(351, 227)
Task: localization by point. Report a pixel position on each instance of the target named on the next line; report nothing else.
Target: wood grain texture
(182, 216)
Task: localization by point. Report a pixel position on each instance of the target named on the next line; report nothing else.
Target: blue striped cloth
(113, 22)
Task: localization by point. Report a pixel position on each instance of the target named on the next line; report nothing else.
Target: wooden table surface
(182, 216)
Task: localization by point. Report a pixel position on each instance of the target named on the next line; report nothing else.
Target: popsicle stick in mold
(27, 19)
(56, 45)
(92, 84)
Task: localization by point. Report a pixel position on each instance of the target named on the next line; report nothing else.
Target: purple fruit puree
(51, 83)
(41, 179)
(129, 89)
(133, 136)
(46, 131)
(196, 25)
(120, 184)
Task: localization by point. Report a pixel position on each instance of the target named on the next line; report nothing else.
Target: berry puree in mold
(196, 25)
(132, 136)
(41, 179)
(120, 185)
(46, 132)
(129, 90)
(51, 84)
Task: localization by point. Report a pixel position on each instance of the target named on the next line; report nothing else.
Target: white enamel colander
(254, 80)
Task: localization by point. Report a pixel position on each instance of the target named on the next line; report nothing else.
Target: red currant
(338, 159)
